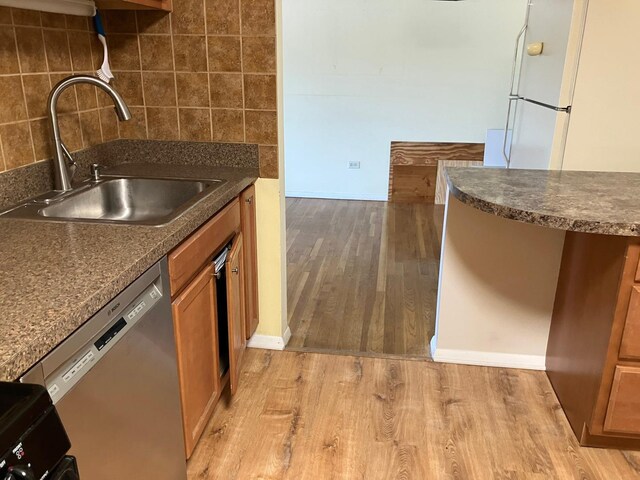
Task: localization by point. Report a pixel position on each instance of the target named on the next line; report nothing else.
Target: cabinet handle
(236, 270)
(249, 200)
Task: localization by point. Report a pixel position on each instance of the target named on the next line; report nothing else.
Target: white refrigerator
(544, 70)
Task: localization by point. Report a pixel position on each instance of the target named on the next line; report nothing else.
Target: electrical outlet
(354, 164)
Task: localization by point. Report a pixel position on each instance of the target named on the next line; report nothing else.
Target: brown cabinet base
(592, 304)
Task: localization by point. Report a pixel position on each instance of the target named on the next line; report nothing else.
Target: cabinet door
(196, 332)
(630, 347)
(623, 413)
(236, 311)
(250, 253)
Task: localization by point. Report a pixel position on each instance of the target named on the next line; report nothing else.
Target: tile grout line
(206, 50)
(75, 92)
(175, 76)
(95, 93)
(139, 72)
(24, 93)
(244, 113)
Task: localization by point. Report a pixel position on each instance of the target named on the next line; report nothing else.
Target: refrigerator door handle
(546, 105)
(513, 88)
(514, 66)
(507, 154)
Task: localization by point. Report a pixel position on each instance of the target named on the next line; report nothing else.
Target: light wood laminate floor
(362, 276)
(313, 416)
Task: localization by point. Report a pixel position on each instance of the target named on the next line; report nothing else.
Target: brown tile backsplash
(225, 54)
(223, 17)
(260, 92)
(8, 56)
(259, 54)
(226, 90)
(205, 72)
(16, 140)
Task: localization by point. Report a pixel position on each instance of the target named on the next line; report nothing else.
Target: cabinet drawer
(630, 346)
(623, 411)
(189, 258)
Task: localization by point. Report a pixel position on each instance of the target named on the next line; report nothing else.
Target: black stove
(33, 442)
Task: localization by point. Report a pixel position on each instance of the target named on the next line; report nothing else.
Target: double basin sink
(128, 200)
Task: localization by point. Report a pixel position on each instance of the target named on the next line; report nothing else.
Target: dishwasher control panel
(69, 374)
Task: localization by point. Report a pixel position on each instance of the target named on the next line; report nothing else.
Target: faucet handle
(95, 171)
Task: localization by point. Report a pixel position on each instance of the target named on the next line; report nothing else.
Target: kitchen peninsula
(592, 356)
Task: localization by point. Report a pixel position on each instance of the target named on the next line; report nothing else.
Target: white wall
(361, 73)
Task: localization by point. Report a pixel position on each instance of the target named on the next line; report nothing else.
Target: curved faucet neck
(62, 179)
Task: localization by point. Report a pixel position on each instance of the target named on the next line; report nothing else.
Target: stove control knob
(20, 472)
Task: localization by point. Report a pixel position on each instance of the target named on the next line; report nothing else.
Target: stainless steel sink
(138, 201)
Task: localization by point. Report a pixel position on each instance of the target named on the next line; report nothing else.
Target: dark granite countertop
(593, 202)
(54, 276)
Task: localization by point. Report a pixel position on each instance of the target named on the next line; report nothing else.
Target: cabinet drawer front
(630, 346)
(623, 412)
(189, 258)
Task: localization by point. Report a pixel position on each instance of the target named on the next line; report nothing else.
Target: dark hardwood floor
(362, 276)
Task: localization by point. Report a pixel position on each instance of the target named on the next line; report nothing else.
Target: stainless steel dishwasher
(114, 382)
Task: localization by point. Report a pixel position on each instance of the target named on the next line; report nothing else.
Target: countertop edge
(540, 219)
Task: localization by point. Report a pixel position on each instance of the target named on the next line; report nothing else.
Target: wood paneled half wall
(416, 171)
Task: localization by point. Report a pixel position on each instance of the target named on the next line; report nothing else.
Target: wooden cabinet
(623, 412)
(250, 252)
(593, 354)
(196, 331)
(630, 347)
(166, 5)
(211, 332)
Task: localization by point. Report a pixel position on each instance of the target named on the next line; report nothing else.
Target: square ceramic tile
(190, 53)
(159, 89)
(31, 49)
(223, 17)
(123, 52)
(195, 124)
(16, 143)
(193, 89)
(156, 52)
(259, 54)
(226, 90)
(224, 54)
(258, 17)
(150, 21)
(135, 128)
(260, 92)
(162, 123)
(227, 125)
(268, 161)
(36, 89)
(8, 52)
(261, 127)
(56, 45)
(13, 107)
(188, 16)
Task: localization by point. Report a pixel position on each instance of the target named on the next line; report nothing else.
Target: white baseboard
(336, 195)
(270, 342)
(489, 359)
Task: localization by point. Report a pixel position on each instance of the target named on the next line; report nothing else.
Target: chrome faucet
(61, 176)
